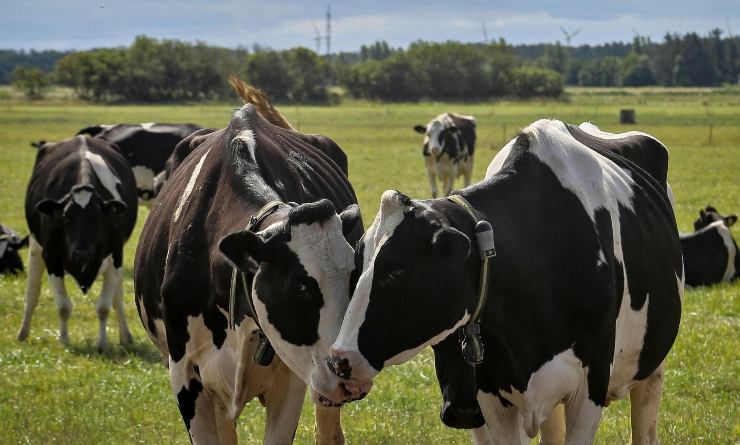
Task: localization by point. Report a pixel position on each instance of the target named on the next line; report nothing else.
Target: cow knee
(103, 312)
(65, 311)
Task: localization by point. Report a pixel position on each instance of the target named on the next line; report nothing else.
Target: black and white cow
(297, 262)
(10, 244)
(710, 253)
(80, 209)
(583, 300)
(145, 146)
(449, 148)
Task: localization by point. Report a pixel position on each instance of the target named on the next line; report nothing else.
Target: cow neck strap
(264, 353)
(469, 334)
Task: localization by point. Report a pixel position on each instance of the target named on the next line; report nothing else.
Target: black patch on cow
(310, 213)
(705, 256)
(186, 400)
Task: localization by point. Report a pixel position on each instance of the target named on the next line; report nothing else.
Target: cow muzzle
(462, 415)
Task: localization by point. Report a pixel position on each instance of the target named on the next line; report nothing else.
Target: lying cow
(710, 253)
(80, 209)
(449, 147)
(10, 244)
(581, 310)
(146, 147)
(296, 258)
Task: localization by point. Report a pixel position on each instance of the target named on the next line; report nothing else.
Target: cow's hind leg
(328, 429)
(432, 181)
(123, 332)
(112, 278)
(36, 267)
(552, 430)
(645, 401)
(283, 402)
(205, 418)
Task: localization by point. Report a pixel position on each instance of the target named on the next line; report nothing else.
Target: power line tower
(328, 32)
(318, 38)
(485, 32)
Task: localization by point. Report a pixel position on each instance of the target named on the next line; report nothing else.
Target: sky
(84, 24)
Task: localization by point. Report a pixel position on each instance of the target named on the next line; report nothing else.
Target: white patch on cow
(600, 259)
(106, 177)
(189, 187)
(148, 125)
(628, 344)
(726, 235)
(144, 177)
(3, 247)
(498, 161)
(593, 130)
(82, 197)
(247, 136)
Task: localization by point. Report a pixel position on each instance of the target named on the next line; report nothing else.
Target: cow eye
(301, 288)
(392, 276)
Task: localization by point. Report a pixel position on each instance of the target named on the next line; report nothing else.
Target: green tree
(31, 81)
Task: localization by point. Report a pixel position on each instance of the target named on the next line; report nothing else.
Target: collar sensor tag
(484, 237)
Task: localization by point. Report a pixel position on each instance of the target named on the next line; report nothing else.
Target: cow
(10, 244)
(244, 251)
(80, 209)
(563, 265)
(145, 146)
(449, 148)
(710, 253)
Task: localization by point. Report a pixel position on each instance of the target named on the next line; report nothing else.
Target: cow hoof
(102, 347)
(64, 339)
(127, 339)
(22, 335)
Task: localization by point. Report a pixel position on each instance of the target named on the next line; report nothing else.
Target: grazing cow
(581, 310)
(81, 209)
(10, 244)
(146, 147)
(449, 147)
(710, 253)
(295, 258)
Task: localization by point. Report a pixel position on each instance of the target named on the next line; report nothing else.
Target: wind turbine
(318, 37)
(569, 35)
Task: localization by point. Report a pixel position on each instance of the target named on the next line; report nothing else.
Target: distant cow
(710, 253)
(449, 147)
(10, 243)
(80, 209)
(146, 147)
(296, 259)
(582, 309)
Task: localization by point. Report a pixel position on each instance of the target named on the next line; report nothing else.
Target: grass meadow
(50, 394)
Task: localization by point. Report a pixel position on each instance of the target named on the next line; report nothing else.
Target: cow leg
(503, 421)
(64, 305)
(283, 402)
(112, 277)
(36, 267)
(582, 418)
(205, 418)
(432, 181)
(328, 428)
(468, 171)
(644, 402)
(123, 332)
(481, 436)
(552, 430)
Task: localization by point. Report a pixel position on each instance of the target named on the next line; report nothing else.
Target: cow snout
(339, 366)
(435, 150)
(461, 415)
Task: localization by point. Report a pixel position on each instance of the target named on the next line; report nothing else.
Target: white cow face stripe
(189, 187)
(82, 197)
(106, 177)
(247, 136)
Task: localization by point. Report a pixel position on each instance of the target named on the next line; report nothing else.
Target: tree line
(153, 70)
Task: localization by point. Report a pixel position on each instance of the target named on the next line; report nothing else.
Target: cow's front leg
(64, 305)
(432, 177)
(468, 171)
(123, 332)
(645, 401)
(582, 417)
(36, 267)
(283, 402)
(552, 430)
(112, 278)
(504, 422)
(481, 436)
(328, 430)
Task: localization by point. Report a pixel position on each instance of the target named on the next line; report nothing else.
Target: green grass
(55, 394)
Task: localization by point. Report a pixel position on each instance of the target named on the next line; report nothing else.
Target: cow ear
(350, 218)
(239, 247)
(420, 129)
(114, 207)
(702, 214)
(730, 220)
(50, 207)
(451, 245)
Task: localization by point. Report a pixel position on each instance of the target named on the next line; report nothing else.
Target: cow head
(81, 214)
(300, 271)
(709, 215)
(438, 134)
(415, 291)
(10, 243)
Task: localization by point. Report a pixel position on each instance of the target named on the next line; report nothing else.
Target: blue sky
(77, 24)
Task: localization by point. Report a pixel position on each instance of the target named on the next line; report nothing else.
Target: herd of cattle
(547, 290)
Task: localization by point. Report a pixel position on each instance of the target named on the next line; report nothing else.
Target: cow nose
(339, 366)
(82, 254)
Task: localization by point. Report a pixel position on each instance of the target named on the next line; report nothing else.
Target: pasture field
(73, 395)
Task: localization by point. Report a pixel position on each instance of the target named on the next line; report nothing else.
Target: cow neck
(264, 353)
(469, 334)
